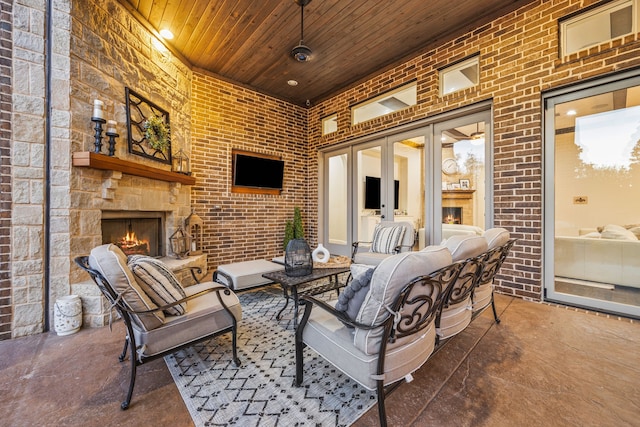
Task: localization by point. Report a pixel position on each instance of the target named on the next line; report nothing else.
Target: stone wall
(98, 50)
(109, 51)
(239, 227)
(6, 80)
(519, 58)
(28, 167)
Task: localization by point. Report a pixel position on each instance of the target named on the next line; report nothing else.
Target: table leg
(295, 309)
(285, 293)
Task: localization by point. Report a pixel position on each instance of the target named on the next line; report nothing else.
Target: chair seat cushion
(455, 318)
(387, 239)
(369, 258)
(204, 316)
(158, 282)
(328, 337)
(351, 298)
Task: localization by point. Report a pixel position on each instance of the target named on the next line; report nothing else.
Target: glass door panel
(370, 205)
(594, 223)
(337, 203)
(408, 187)
(463, 152)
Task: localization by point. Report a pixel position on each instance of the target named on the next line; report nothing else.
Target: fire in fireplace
(452, 215)
(135, 232)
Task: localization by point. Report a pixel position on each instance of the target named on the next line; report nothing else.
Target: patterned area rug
(261, 391)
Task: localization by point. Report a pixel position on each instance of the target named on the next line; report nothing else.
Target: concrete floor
(543, 365)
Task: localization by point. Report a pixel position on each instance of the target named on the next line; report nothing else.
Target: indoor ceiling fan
(301, 52)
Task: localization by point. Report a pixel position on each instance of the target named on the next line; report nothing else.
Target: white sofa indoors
(611, 257)
(449, 230)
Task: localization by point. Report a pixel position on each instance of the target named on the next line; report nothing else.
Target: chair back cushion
(496, 237)
(387, 238)
(158, 282)
(111, 262)
(352, 297)
(465, 246)
(387, 281)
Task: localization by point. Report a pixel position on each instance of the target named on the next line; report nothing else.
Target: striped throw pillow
(387, 239)
(158, 282)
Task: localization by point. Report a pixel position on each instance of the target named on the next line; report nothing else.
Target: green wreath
(156, 133)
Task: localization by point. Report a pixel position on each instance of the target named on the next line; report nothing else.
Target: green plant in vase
(288, 234)
(293, 229)
(298, 228)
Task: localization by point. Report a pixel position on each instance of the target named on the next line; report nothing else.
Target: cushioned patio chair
(457, 310)
(393, 333)
(389, 238)
(499, 243)
(195, 313)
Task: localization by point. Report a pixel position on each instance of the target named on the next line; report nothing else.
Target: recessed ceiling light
(292, 83)
(166, 34)
(571, 113)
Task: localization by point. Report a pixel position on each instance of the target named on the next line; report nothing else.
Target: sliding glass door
(592, 177)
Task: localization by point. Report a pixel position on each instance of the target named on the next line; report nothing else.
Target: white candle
(97, 109)
(111, 126)
(193, 246)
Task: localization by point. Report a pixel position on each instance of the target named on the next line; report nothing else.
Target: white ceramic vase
(320, 254)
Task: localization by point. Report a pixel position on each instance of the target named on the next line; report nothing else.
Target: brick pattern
(237, 226)
(519, 58)
(6, 75)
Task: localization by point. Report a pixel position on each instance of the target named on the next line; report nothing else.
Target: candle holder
(98, 136)
(112, 142)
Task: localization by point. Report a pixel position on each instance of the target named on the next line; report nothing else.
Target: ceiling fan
(301, 53)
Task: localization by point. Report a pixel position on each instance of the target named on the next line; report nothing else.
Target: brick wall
(519, 59)
(240, 227)
(6, 42)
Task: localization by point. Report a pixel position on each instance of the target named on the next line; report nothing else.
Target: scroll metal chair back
(491, 265)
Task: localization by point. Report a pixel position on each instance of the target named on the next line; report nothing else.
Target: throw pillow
(387, 239)
(351, 298)
(158, 282)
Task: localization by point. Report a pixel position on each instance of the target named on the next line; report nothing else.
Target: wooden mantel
(100, 161)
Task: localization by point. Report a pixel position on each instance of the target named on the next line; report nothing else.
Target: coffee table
(292, 286)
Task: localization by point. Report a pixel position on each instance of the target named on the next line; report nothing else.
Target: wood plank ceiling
(249, 41)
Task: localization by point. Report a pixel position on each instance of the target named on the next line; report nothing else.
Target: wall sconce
(194, 225)
(181, 162)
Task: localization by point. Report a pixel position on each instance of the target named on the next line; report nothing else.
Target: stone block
(27, 215)
(28, 128)
(20, 191)
(20, 153)
(27, 314)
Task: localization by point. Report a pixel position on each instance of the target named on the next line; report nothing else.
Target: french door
(592, 177)
(418, 176)
(389, 182)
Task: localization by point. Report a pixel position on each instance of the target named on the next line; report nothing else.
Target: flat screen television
(372, 193)
(257, 172)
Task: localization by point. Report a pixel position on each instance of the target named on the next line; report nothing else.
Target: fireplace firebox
(452, 215)
(135, 232)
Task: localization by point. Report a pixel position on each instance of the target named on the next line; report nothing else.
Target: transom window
(390, 102)
(460, 76)
(330, 124)
(598, 25)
